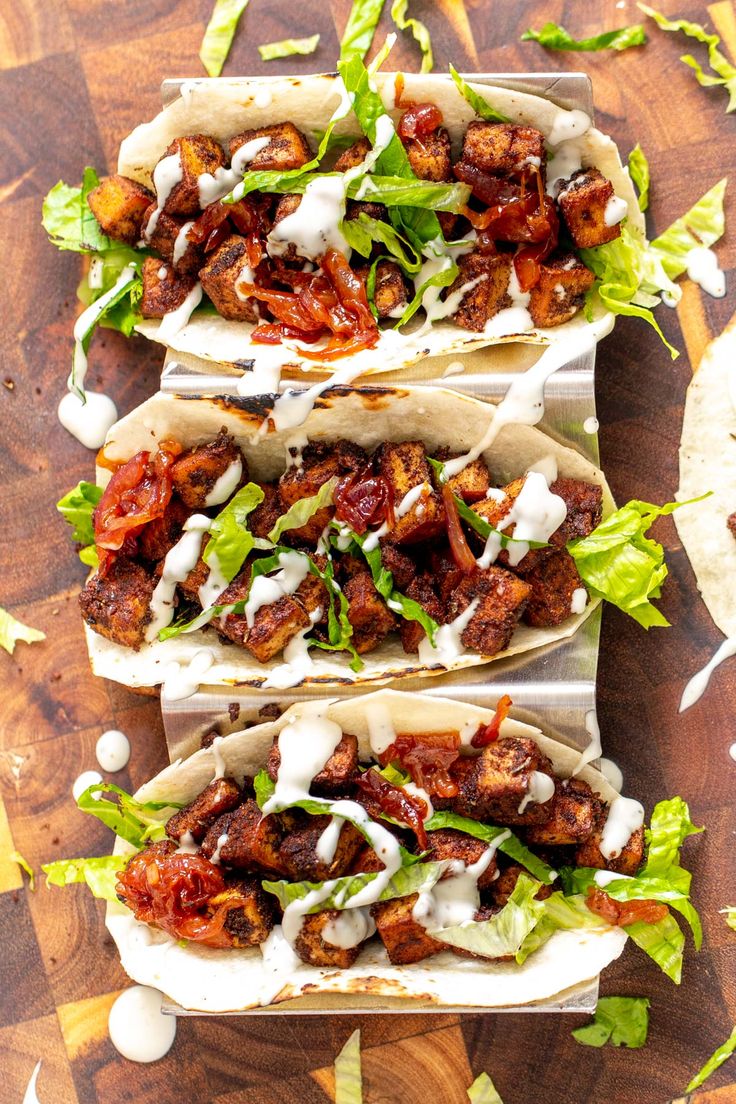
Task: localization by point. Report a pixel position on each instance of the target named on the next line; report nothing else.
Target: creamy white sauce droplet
(84, 781)
(593, 750)
(181, 682)
(591, 425)
(226, 484)
(697, 684)
(624, 817)
(138, 1030)
(90, 421)
(177, 319)
(703, 269)
(113, 750)
(579, 600)
(30, 1096)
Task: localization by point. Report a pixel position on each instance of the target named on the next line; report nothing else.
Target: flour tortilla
(209, 980)
(223, 108)
(366, 416)
(708, 463)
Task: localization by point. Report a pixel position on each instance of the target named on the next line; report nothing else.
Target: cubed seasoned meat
(197, 577)
(486, 276)
(404, 466)
(198, 154)
(420, 590)
(338, 774)
(234, 626)
(588, 205)
(445, 572)
(390, 292)
(163, 289)
(572, 816)
(160, 535)
(312, 596)
(501, 781)
(501, 598)
(369, 615)
(404, 938)
(588, 852)
(357, 207)
(119, 205)
(448, 843)
(472, 483)
(169, 240)
(584, 503)
(273, 627)
(553, 579)
(367, 861)
(226, 269)
(505, 885)
(398, 562)
(429, 156)
(197, 471)
(287, 147)
(560, 290)
(286, 205)
(117, 605)
(299, 851)
(353, 156)
(251, 841)
(320, 462)
(503, 148)
(250, 919)
(221, 796)
(262, 520)
(313, 947)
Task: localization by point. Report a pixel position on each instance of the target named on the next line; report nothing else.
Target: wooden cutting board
(75, 77)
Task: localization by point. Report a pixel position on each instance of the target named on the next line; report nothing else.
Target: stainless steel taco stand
(552, 687)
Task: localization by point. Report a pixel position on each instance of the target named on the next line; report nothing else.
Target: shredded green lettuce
(303, 509)
(339, 629)
(360, 28)
(561, 913)
(363, 232)
(219, 35)
(100, 873)
(620, 1021)
(483, 1091)
(288, 47)
(77, 507)
(478, 103)
(418, 878)
(418, 30)
(138, 823)
(230, 540)
(68, 220)
(16, 857)
(348, 1076)
(619, 563)
(554, 37)
(730, 913)
(639, 173)
(715, 1062)
(513, 847)
(505, 932)
(12, 630)
(703, 224)
(721, 66)
(444, 278)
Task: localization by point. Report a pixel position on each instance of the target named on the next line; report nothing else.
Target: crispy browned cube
(163, 289)
(584, 503)
(196, 578)
(262, 520)
(503, 148)
(320, 463)
(369, 615)
(398, 562)
(430, 156)
(273, 628)
(404, 466)
(252, 841)
(489, 274)
(119, 205)
(287, 148)
(299, 851)
(234, 626)
(554, 579)
(353, 156)
(250, 919)
(221, 796)
(357, 207)
(312, 947)
(166, 240)
(560, 291)
(403, 937)
(505, 885)
(160, 535)
(287, 205)
(445, 572)
(312, 595)
(472, 483)
(118, 604)
(198, 154)
(572, 816)
(367, 861)
(447, 843)
(502, 598)
(421, 590)
(227, 267)
(390, 292)
(499, 782)
(338, 774)
(628, 862)
(197, 470)
(583, 201)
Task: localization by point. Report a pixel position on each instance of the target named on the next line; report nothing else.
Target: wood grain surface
(75, 77)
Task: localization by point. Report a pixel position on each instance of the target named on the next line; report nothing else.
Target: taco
(383, 849)
(351, 549)
(435, 217)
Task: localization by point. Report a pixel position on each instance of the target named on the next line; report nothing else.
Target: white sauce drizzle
(455, 899)
(219, 758)
(95, 275)
(417, 791)
(88, 421)
(166, 175)
(213, 186)
(292, 409)
(30, 1096)
(187, 845)
(214, 584)
(221, 841)
(86, 321)
(162, 272)
(138, 1030)
(180, 560)
(226, 484)
(612, 774)
(536, 513)
(181, 244)
(591, 425)
(297, 661)
(181, 682)
(624, 817)
(615, 210)
(84, 781)
(113, 750)
(328, 841)
(373, 537)
(349, 928)
(381, 732)
(449, 639)
(314, 227)
(567, 125)
(593, 750)
(698, 683)
(541, 789)
(293, 570)
(703, 269)
(177, 319)
(411, 498)
(566, 160)
(579, 600)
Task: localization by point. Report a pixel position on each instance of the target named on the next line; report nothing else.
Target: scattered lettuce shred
(620, 1021)
(418, 878)
(721, 66)
(230, 540)
(16, 857)
(703, 224)
(12, 630)
(219, 35)
(418, 30)
(554, 37)
(303, 509)
(639, 173)
(348, 1076)
(619, 563)
(138, 823)
(100, 873)
(479, 104)
(483, 1091)
(715, 1062)
(77, 507)
(730, 914)
(67, 219)
(288, 47)
(513, 847)
(360, 28)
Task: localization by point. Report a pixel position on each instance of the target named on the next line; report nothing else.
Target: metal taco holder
(552, 687)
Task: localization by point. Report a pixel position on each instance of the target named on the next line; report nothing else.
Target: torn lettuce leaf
(715, 1062)
(300, 512)
(230, 540)
(480, 106)
(360, 28)
(363, 232)
(418, 30)
(138, 823)
(483, 1091)
(622, 1021)
(554, 37)
(505, 932)
(67, 219)
(100, 873)
(348, 1076)
(16, 857)
(561, 913)
(703, 224)
(418, 878)
(339, 629)
(639, 173)
(730, 914)
(288, 47)
(12, 630)
(513, 847)
(721, 66)
(219, 35)
(77, 507)
(619, 563)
